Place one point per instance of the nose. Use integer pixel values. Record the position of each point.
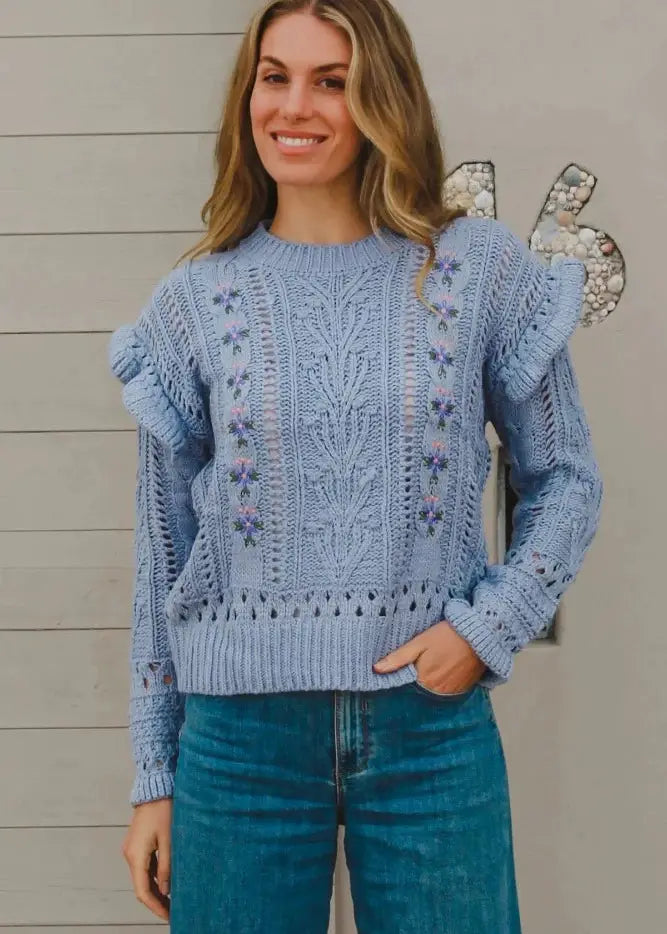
(297, 101)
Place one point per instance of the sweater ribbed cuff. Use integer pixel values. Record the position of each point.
(472, 627)
(151, 786)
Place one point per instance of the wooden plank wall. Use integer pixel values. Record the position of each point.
(107, 119)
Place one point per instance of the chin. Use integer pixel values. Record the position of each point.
(298, 176)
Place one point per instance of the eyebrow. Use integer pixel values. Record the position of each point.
(330, 67)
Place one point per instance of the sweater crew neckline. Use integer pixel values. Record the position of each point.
(320, 258)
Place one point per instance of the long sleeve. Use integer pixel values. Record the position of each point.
(165, 528)
(533, 401)
(153, 359)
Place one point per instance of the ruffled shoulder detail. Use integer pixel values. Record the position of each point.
(144, 394)
(522, 364)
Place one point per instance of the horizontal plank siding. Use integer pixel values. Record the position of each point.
(169, 84)
(129, 17)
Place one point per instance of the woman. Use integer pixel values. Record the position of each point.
(316, 629)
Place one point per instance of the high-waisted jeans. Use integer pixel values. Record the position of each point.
(417, 778)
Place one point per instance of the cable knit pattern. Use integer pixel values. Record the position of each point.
(312, 458)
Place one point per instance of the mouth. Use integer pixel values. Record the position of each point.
(291, 144)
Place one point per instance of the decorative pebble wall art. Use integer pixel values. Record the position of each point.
(556, 233)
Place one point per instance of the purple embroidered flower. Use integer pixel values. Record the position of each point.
(225, 296)
(240, 375)
(242, 474)
(447, 264)
(431, 513)
(240, 424)
(447, 310)
(441, 353)
(442, 405)
(234, 334)
(436, 461)
(248, 523)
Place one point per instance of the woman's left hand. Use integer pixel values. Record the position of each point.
(450, 663)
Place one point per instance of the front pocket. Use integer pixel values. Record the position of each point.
(439, 694)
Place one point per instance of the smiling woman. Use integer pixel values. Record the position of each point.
(302, 127)
(343, 73)
(312, 388)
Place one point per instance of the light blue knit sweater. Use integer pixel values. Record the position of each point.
(312, 456)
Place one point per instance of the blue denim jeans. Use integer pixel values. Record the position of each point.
(417, 778)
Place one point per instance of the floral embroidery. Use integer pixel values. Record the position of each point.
(239, 376)
(243, 474)
(442, 354)
(248, 522)
(447, 264)
(235, 348)
(436, 460)
(442, 405)
(240, 425)
(226, 297)
(234, 334)
(431, 513)
(448, 277)
(447, 308)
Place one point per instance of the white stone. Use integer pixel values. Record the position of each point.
(615, 284)
(587, 236)
(484, 200)
(459, 181)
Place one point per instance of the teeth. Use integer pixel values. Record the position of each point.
(294, 141)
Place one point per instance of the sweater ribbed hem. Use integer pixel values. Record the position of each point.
(237, 658)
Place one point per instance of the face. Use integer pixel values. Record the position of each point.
(301, 125)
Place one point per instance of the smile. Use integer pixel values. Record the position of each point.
(298, 142)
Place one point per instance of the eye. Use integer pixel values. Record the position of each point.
(338, 83)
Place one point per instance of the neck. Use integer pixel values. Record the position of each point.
(325, 214)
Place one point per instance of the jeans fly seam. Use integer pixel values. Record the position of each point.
(339, 789)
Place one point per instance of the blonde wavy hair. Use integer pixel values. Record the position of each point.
(401, 163)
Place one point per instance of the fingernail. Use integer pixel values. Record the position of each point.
(382, 665)
(164, 888)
